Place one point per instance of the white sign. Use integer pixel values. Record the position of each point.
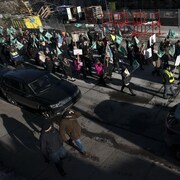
(152, 39)
(148, 53)
(79, 11)
(69, 13)
(77, 51)
(177, 63)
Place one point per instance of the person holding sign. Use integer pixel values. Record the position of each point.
(126, 78)
(79, 67)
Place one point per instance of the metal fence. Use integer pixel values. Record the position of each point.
(169, 17)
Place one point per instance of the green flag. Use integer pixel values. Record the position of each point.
(58, 51)
(19, 45)
(122, 50)
(2, 40)
(48, 35)
(172, 50)
(93, 46)
(8, 31)
(12, 30)
(78, 25)
(12, 39)
(135, 65)
(160, 53)
(172, 34)
(119, 39)
(42, 38)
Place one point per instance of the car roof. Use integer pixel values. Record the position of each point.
(25, 74)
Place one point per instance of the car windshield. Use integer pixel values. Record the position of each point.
(43, 83)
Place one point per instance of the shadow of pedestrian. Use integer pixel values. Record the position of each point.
(20, 147)
(33, 119)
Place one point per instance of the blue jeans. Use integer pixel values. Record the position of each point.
(79, 145)
(167, 88)
(58, 156)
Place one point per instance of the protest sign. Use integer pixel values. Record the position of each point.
(77, 51)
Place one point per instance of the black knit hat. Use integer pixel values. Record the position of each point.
(46, 125)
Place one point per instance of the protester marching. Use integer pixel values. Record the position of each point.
(95, 52)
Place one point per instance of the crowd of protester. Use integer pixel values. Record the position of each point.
(101, 52)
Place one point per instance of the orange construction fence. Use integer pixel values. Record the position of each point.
(141, 23)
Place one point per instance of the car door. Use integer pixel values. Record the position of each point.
(19, 93)
(28, 98)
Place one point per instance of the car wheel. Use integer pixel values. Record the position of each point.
(10, 99)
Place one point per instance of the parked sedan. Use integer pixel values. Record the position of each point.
(172, 129)
(39, 90)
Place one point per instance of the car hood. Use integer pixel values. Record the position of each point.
(59, 92)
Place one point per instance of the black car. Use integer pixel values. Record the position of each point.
(38, 89)
(172, 129)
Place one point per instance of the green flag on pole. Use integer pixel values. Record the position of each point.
(12, 30)
(119, 39)
(172, 50)
(93, 46)
(172, 34)
(58, 51)
(122, 50)
(135, 65)
(78, 25)
(42, 38)
(48, 35)
(19, 45)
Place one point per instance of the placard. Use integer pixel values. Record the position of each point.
(79, 11)
(177, 62)
(148, 53)
(77, 51)
(69, 13)
(152, 39)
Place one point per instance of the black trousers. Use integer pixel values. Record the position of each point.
(127, 86)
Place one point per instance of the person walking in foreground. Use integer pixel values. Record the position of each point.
(168, 81)
(69, 126)
(126, 78)
(51, 145)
